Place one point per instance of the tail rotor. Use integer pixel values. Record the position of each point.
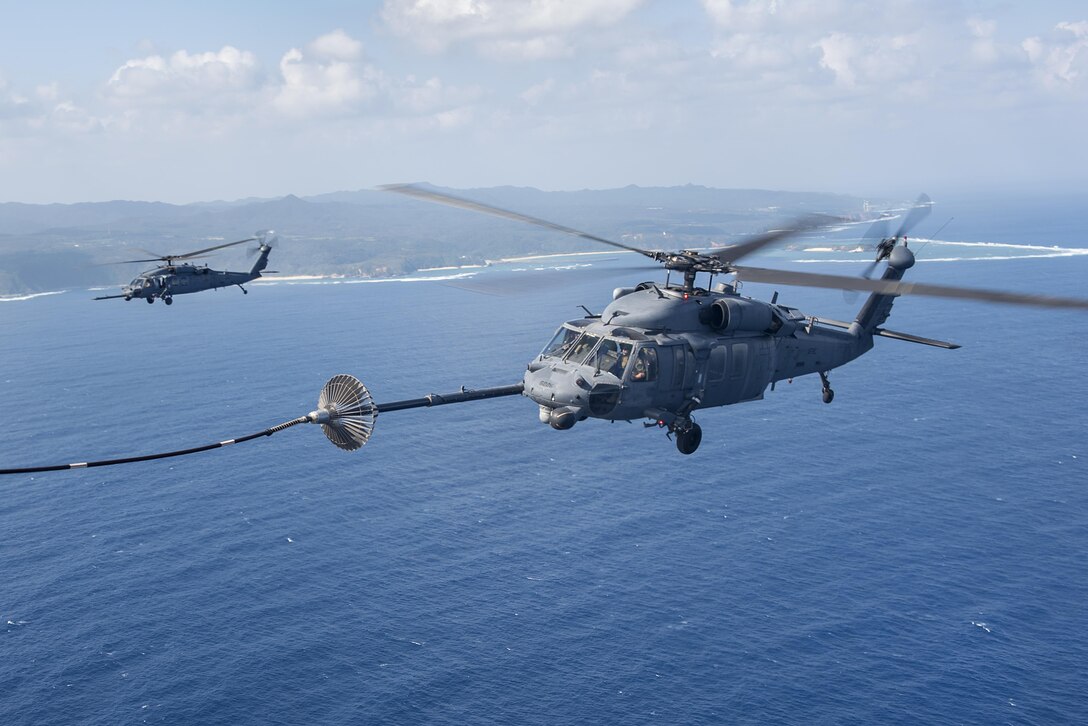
(878, 231)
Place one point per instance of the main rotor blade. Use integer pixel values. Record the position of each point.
(411, 190)
(189, 255)
(731, 254)
(921, 209)
(892, 287)
(186, 256)
(877, 231)
(535, 281)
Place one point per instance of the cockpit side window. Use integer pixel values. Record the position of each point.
(612, 357)
(645, 366)
(561, 343)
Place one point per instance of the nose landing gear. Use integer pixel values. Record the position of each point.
(829, 395)
(688, 439)
(688, 433)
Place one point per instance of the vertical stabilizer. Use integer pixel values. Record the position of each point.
(262, 261)
(878, 306)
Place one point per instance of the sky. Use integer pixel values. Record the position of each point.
(201, 101)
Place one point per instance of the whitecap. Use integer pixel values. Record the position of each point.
(29, 296)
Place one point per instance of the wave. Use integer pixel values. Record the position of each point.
(1039, 252)
(981, 258)
(339, 280)
(30, 296)
(1011, 245)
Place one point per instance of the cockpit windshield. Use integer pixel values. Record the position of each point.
(581, 349)
(561, 343)
(604, 354)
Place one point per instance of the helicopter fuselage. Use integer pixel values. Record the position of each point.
(662, 352)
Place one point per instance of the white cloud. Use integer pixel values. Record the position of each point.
(871, 60)
(509, 30)
(544, 47)
(185, 78)
(753, 52)
(749, 15)
(984, 47)
(329, 78)
(337, 45)
(431, 96)
(839, 53)
(1061, 60)
(535, 94)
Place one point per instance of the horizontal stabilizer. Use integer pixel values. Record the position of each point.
(883, 332)
(915, 339)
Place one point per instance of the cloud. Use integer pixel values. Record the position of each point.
(544, 47)
(505, 30)
(870, 61)
(538, 92)
(330, 77)
(185, 78)
(23, 114)
(1060, 60)
(751, 15)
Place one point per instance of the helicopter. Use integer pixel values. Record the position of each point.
(661, 352)
(171, 278)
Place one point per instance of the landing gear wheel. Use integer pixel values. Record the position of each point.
(168, 300)
(150, 300)
(829, 395)
(688, 441)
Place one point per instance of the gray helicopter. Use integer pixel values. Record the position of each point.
(663, 352)
(172, 278)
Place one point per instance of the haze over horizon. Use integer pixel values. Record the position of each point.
(126, 100)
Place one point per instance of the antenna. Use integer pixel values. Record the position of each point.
(939, 230)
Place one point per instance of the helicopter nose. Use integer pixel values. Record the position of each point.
(568, 395)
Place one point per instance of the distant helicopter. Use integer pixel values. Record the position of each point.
(659, 353)
(178, 279)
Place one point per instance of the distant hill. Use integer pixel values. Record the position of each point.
(368, 233)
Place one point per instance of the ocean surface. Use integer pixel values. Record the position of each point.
(912, 553)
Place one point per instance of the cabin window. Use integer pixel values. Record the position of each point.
(645, 366)
(678, 359)
(716, 368)
(740, 361)
(561, 343)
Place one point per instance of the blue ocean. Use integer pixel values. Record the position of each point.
(912, 553)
